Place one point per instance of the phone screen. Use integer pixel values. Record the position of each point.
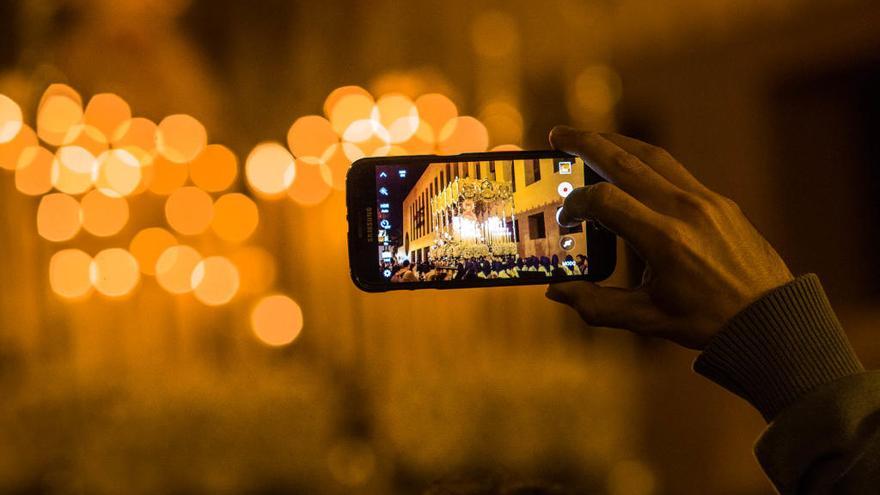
(478, 220)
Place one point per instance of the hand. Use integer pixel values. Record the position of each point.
(705, 261)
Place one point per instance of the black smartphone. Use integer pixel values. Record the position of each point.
(470, 220)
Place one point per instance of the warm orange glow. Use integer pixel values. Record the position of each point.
(73, 169)
(436, 110)
(109, 114)
(215, 281)
(10, 151)
(397, 118)
(189, 210)
(57, 119)
(277, 320)
(506, 147)
(88, 137)
(118, 173)
(114, 272)
(311, 136)
(10, 119)
(463, 135)
(33, 174)
(422, 142)
(595, 90)
(339, 93)
(69, 273)
(139, 132)
(503, 119)
(373, 145)
(256, 269)
(58, 217)
(174, 268)
(312, 183)
(270, 170)
(235, 217)
(148, 244)
(338, 163)
(60, 89)
(103, 215)
(165, 176)
(180, 138)
(350, 116)
(494, 34)
(214, 169)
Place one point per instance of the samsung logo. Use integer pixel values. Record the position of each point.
(369, 223)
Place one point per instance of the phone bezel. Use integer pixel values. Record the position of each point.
(360, 199)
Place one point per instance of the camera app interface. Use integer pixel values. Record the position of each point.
(478, 221)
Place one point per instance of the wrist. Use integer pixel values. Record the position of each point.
(779, 347)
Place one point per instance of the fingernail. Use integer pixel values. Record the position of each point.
(561, 131)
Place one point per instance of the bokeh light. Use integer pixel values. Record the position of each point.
(58, 217)
(310, 137)
(235, 217)
(139, 132)
(312, 183)
(103, 215)
(256, 269)
(88, 137)
(506, 147)
(114, 272)
(189, 210)
(109, 114)
(73, 169)
(174, 268)
(270, 170)
(276, 320)
(338, 93)
(503, 120)
(396, 118)
(215, 169)
(10, 151)
(165, 176)
(33, 174)
(350, 115)
(215, 281)
(463, 135)
(596, 89)
(148, 244)
(59, 112)
(69, 273)
(10, 119)
(180, 138)
(436, 110)
(117, 173)
(338, 162)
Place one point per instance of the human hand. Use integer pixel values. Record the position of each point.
(704, 260)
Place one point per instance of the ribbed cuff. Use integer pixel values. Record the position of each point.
(783, 345)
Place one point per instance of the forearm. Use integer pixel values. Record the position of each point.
(788, 356)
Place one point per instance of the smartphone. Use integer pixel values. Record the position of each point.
(470, 220)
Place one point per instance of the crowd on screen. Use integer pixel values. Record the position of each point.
(510, 267)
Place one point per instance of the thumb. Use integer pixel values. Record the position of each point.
(630, 309)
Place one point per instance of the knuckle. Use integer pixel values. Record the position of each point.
(656, 153)
(600, 194)
(626, 162)
(673, 235)
(695, 206)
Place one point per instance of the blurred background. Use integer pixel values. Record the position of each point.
(176, 313)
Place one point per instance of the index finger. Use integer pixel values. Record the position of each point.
(616, 165)
(659, 159)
